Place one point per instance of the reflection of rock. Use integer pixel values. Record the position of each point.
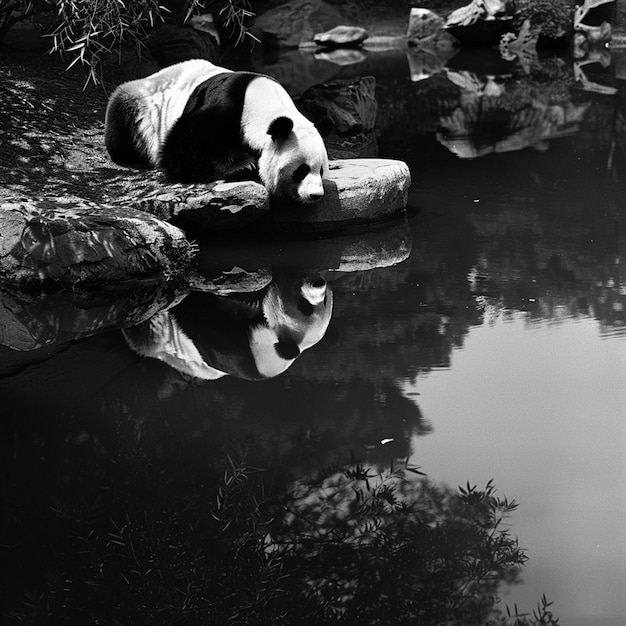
(292, 24)
(341, 56)
(74, 242)
(482, 123)
(522, 46)
(341, 37)
(297, 70)
(209, 336)
(481, 22)
(221, 262)
(480, 60)
(375, 248)
(235, 280)
(424, 63)
(213, 206)
(356, 191)
(591, 73)
(29, 321)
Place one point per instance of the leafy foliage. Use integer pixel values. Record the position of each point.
(87, 31)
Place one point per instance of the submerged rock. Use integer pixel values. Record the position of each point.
(351, 104)
(74, 242)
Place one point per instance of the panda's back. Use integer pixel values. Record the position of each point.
(206, 142)
(144, 110)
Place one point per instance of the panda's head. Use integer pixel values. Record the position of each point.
(296, 315)
(294, 161)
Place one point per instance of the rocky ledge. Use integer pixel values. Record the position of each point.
(77, 242)
(74, 242)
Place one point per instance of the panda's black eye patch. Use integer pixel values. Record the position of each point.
(305, 307)
(301, 173)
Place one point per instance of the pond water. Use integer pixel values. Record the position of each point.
(481, 338)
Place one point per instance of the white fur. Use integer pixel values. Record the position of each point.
(160, 99)
(162, 338)
(157, 101)
(266, 100)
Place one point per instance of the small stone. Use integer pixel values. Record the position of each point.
(342, 37)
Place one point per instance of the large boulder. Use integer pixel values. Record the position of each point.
(352, 106)
(481, 22)
(74, 242)
(357, 191)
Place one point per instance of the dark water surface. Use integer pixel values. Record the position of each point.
(484, 337)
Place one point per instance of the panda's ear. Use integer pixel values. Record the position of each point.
(325, 126)
(280, 128)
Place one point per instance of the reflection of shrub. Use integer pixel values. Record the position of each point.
(354, 547)
(551, 18)
(362, 547)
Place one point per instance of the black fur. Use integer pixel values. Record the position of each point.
(123, 150)
(205, 143)
(280, 128)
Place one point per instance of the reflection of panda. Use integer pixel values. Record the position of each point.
(200, 123)
(209, 336)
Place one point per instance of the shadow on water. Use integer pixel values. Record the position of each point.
(182, 488)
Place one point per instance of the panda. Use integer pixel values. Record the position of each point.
(199, 123)
(208, 336)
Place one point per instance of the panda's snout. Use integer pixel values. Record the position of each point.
(316, 196)
(314, 291)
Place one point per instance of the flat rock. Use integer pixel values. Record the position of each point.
(356, 191)
(213, 206)
(341, 37)
(74, 242)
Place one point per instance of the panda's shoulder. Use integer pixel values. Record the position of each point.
(225, 89)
